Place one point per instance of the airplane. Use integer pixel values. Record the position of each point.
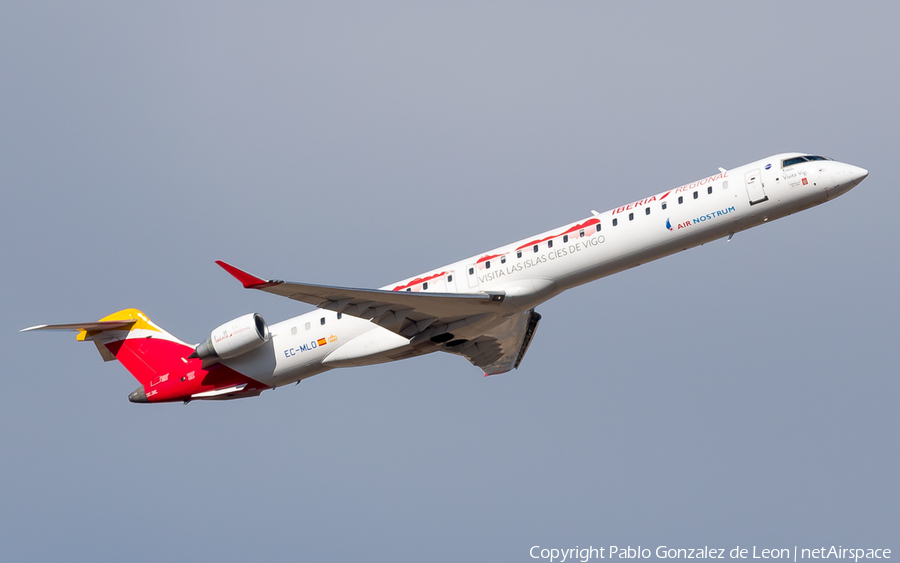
(481, 308)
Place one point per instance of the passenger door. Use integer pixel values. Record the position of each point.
(755, 188)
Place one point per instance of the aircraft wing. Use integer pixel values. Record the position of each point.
(418, 316)
(421, 316)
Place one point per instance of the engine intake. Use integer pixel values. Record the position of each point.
(234, 338)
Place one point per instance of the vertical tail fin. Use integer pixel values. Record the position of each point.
(147, 351)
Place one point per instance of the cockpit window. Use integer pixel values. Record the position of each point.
(793, 161)
(798, 159)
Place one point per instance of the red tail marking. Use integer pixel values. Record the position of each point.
(147, 358)
(162, 367)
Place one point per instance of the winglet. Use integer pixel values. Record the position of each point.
(247, 279)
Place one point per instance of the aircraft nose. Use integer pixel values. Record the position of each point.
(852, 176)
(846, 177)
(857, 174)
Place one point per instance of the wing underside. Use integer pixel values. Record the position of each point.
(502, 347)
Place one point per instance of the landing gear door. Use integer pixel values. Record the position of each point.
(755, 188)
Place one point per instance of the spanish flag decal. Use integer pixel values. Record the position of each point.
(321, 342)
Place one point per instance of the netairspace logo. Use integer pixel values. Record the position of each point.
(584, 554)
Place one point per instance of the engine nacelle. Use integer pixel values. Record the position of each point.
(234, 338)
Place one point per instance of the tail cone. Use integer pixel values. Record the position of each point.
(138, 395)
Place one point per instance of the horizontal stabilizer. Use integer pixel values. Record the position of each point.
(111, 331)
(94, 326)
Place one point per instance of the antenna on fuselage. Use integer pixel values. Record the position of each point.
(722, 170)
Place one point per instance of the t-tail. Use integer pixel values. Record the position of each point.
(167, 368)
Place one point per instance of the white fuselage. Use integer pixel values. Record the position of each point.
(531, 271)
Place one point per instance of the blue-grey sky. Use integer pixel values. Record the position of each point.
(735, 394)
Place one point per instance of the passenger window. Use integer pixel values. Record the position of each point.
(503, 259)
(293, 330)
(664, 205)
(631, 216)
(321, 322)
(647, 211)
(680, 199)
(425, 285)
(450, 278)
(487, 265)
(615, 221)
(471, 271)
(549, 244)
(581, 233)
(519, 254)
(709, 190)
(535, 248)
(696, 195)
(340, 315)
(408, 289)
(565, 238)
(307, 326)
(598, 227)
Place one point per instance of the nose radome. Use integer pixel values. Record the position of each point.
(846, 178)
(858, 174)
